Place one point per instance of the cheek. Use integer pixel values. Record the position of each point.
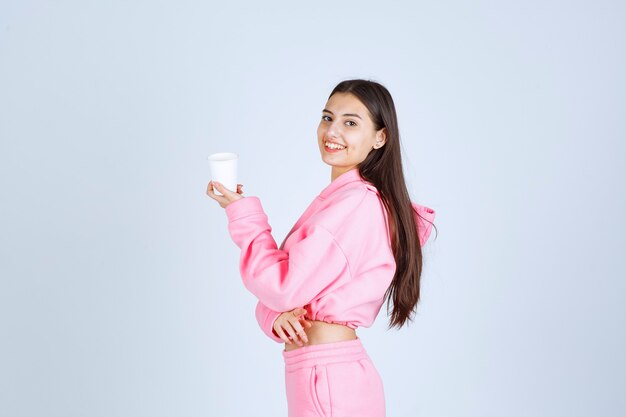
(361, 148)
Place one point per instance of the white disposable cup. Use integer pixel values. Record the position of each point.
(223, 166)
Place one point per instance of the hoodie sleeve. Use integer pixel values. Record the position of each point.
(266, 318)
(424, 223)
(284, 280)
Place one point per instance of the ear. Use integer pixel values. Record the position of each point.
(381, 136)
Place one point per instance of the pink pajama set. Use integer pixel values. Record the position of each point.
(337, 263)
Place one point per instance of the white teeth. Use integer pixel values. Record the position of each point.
(334, 146)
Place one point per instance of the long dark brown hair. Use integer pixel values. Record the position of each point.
(383, 168)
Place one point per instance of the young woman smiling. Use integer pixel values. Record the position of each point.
(358, 243)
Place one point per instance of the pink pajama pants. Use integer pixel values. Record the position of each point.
(335, 379)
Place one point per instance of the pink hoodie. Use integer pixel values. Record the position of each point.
(336, 261)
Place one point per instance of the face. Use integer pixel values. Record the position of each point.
(346, 121)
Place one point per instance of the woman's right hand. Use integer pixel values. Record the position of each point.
(227, 196)
(288, 326)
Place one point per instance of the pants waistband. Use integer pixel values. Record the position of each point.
(324, 353)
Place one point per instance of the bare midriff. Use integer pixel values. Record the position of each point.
(324, 332)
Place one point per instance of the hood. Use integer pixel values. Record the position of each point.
(424, 221)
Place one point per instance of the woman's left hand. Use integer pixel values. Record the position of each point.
(228, 195)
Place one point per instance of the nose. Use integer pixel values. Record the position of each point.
(332, 131)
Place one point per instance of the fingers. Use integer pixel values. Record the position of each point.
(289, 328)
(298, 311)
(306, 324)
(292, 335)
(210, 191)
(295, 322)
(299, 330)
(281, 334)
(295, 334)
(285, 331)
(227, 196)
(221, 188)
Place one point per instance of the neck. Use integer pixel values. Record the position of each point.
(335, 172)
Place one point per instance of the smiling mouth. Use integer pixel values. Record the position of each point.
(333, 146)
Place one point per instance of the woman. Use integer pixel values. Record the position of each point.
(357, 243)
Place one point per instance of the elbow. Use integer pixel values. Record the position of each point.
(277, 295)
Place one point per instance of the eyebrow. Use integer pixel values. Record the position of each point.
(345, 114)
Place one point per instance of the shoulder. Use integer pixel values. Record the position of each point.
(356, 205)
(350, 194)
(340, 207)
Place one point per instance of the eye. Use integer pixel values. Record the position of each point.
(350, 121)
(325, 116)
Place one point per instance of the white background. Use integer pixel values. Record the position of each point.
(120, 292)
